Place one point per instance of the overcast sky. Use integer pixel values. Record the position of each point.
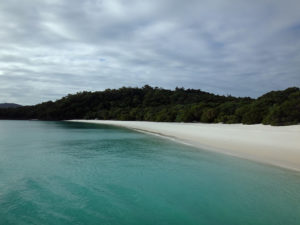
(49, 48)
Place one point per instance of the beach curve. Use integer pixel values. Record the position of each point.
(278, 146)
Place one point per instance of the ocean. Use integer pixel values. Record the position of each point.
(57, 173)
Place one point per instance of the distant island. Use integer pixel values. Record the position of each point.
(158, 104)
(9, 105)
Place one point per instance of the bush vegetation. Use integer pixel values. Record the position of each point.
(157, 104)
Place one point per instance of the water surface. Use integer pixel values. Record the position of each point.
(73, 173)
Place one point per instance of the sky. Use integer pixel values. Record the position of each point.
(50, 48)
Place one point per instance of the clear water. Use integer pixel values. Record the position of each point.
(71, 173)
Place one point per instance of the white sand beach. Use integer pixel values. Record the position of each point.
(279, 146)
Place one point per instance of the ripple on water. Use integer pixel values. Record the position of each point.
(66, 173)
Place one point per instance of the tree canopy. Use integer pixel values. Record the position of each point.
(158, 104)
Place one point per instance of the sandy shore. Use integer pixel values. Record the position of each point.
(278, 146)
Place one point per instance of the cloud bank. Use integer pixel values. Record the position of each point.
(54, 47)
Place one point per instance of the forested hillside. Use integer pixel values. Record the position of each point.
(157, 104)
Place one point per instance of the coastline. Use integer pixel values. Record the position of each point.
(277, 146)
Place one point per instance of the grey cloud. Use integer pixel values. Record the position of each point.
(52, 48)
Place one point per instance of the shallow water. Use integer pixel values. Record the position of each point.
(73, 173)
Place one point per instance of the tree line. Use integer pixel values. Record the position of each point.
(158, 104)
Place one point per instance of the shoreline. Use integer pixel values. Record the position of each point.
(277, 146)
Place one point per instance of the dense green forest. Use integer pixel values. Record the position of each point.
(157, 104)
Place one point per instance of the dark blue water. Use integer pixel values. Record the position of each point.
(72, 173)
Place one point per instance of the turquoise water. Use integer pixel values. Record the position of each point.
(71, 173)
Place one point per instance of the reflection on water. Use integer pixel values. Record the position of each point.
(73, 173)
